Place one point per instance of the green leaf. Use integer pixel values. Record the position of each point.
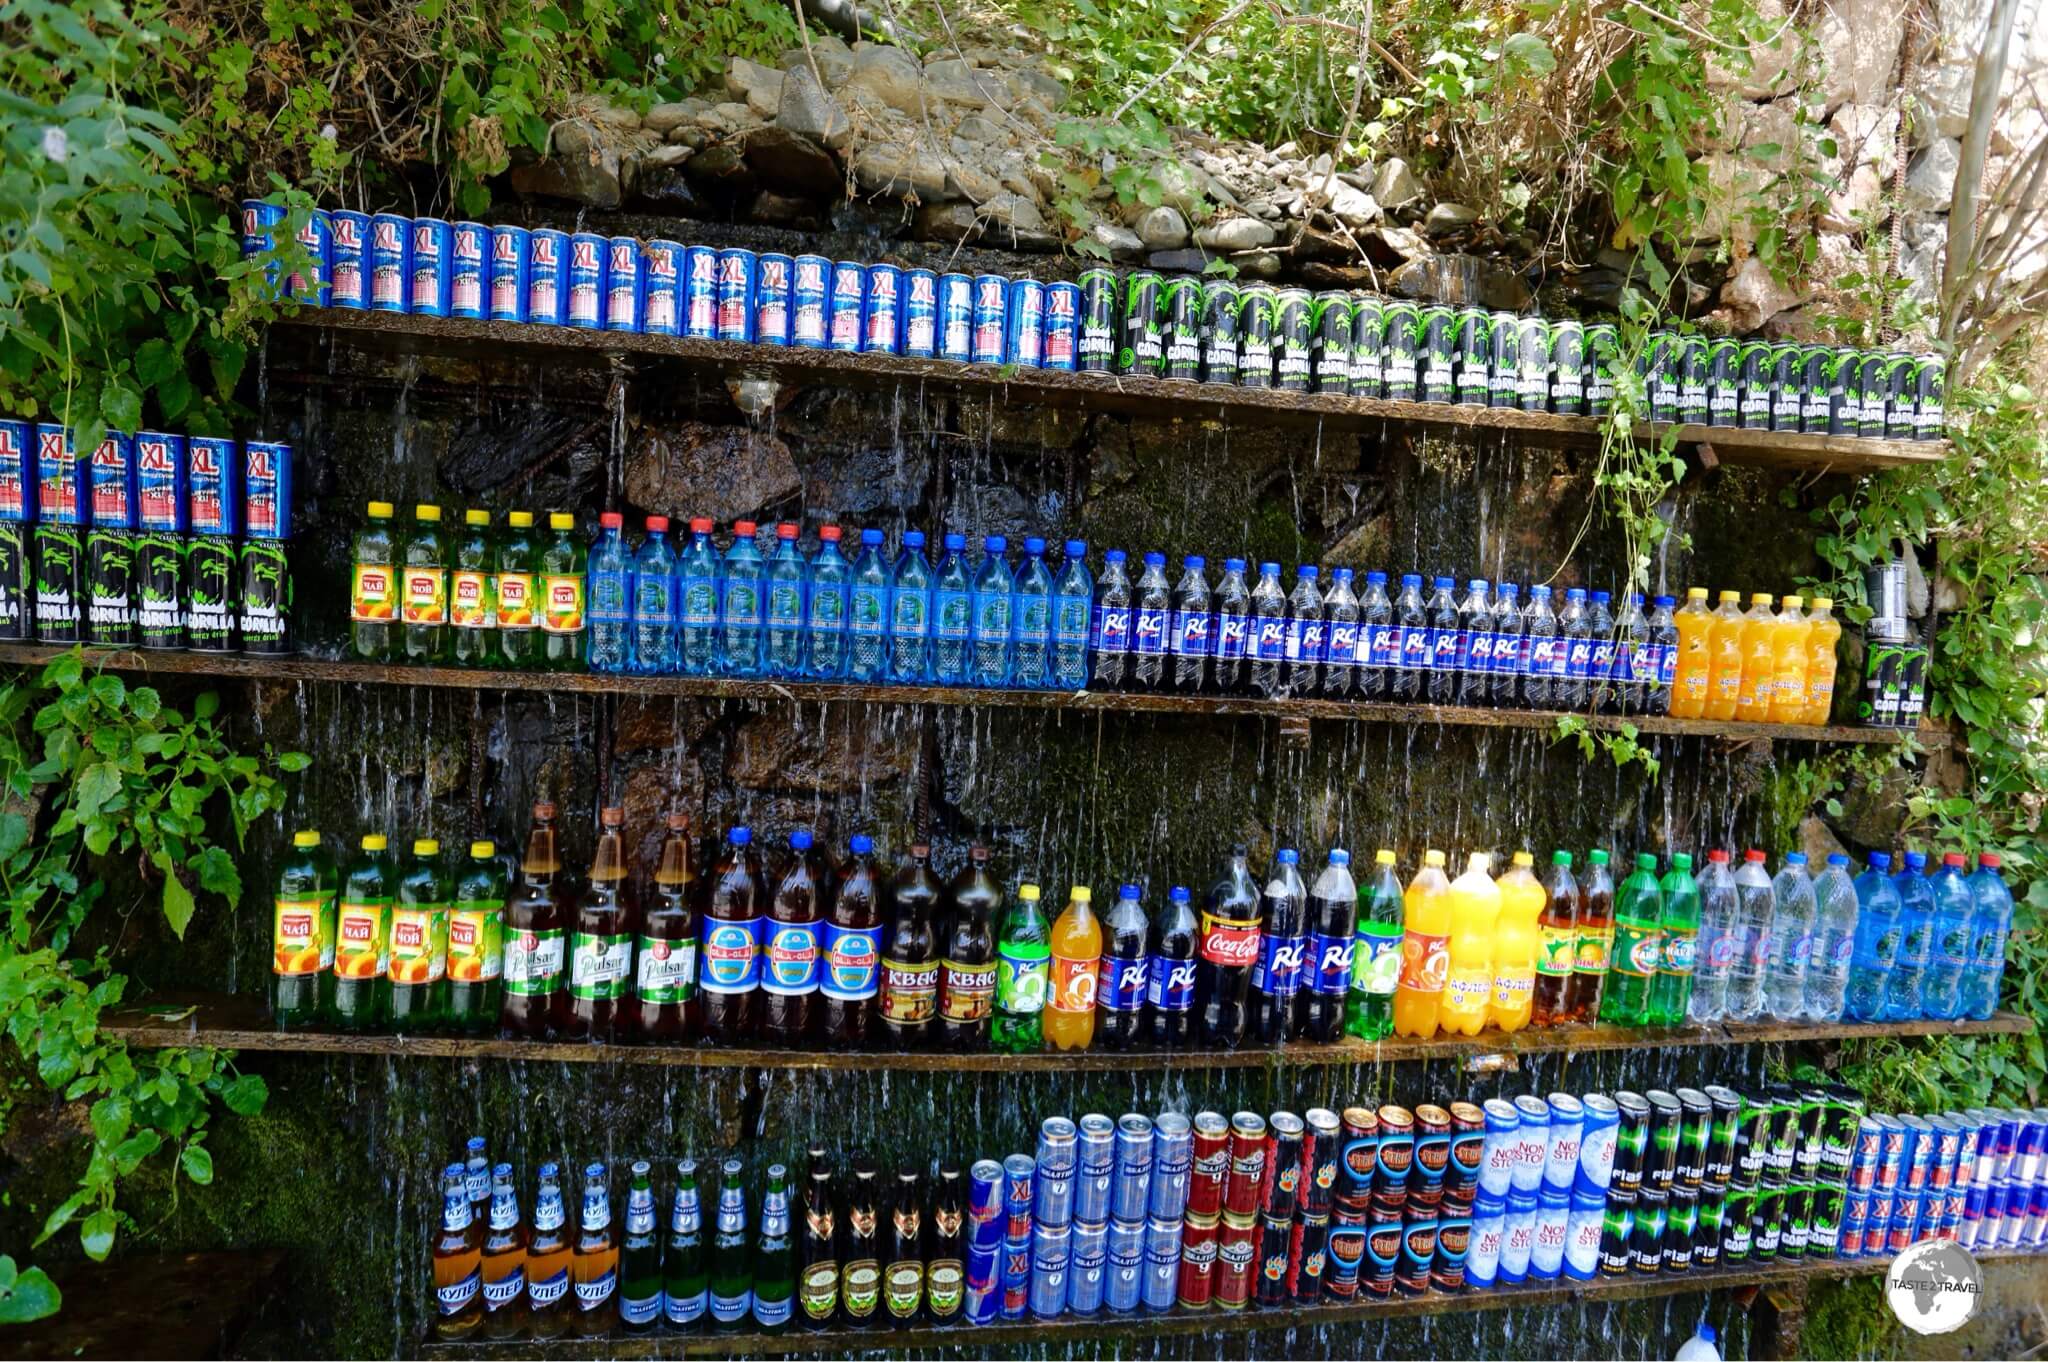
(1529, 54)
(28, 1295)
(100, 783)
(155, 361)
(178, 905)
(245, 1095)
(294, 761)
(122, 406)
(97, 1234)
(197, 1163)
(61, 1217)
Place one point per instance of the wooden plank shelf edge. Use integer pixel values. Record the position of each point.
(239, 1023)
(299, 668)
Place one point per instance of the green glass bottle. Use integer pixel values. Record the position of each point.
(419, 942)
(562, 562)
(515, 577)
(685, 1277)
(362, 945)
(302, 936)
(423, 573)
(472, 597)
(1671, 994)
(732, 1268)
(1638, 946)
(373, 589)
(1375, 953)
(1023, 967)
(640, 1258)
(476, 942)
(775, 1257)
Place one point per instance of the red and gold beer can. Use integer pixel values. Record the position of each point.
(1199, 1244)
(1241, 1183)
(1237, 1259)
(1211, 1161)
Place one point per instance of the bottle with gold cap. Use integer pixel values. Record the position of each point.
(1515, 945)
(1692, 680)
(1375, 952)
(373, 588)
(423, 590)
(419, 942)
(1788, 663)
(1826, 632)
(472, 602)
(302, 936)
(1425, 950)
(476, 941)
(1759, 660)
(363, 938)
(515, 578)
(1724, 654)
(563, 560)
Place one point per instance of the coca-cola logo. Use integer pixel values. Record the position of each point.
(1230, 945)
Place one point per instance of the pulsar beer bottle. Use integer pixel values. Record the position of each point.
(536, 942)
(601, 947)
(664, 1008)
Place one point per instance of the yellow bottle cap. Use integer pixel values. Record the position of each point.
(1383, 857)
(380, 510)
(1435, 858)
(375, 841)
(426, 512)
(1079, 894)
(1028, 892)
(1524, 858)
(1695, 593)
(1823, 603)
(1760, 598)
(520, 520)
(1728, 596)
(1794, 602)
(473, 516)
(305, 839)
(561, 520)
(426, 846)
(482, 851)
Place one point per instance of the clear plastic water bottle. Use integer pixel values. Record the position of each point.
(952, 615)
(1753, 912)
(1152, 608)
(1073, 610)
(910, 614)
(1539, 682)
(1110, 624)
(826, 610)
(1600, 670)
(1663, 656)
(1379, 646)
(1989, 925)
(1877, 940)
(610, 594)
(653, 630)
(1834, 940)
(1574, 624)
(784, 614)
(995, 610)
(1510, 647)
(1033, 669)
(1411, 632)
(1441, 680)
(1902, 999)
(1340, 641)
(740, 581)
(1475, 645)
(1233, 601)
(1719, 940)
(1634, 663)
(1948, 952)
(1791, 948)
(1191, 633)
(1303, 664)
(867, 613)
(698, 597)
(1269, 631)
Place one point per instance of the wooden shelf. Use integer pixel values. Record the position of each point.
(241, 1022)
(1068, 1329)
(1100, 702)
(1159, 399)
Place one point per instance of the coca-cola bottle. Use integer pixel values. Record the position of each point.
(734, 901)
(852, 943)
(1229, 949)
(790, 964)
(1283, 946)
(910, 968)
(967, 956)
(1170, 973)
(1120, 987)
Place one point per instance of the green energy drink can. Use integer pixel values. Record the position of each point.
(1222, 305)
(1679, 1227)
(1738, 1227)
(1436, 352)
(1143, 348)
(1838, 1130)
(1788, 388)
(1368, 343)
(1330, 343)
(1824, 1220)
(1813, 1120)
(1568, 368)
(1255, 331)
(1603, 357)
(1666, 1115)
(1097, 344)
(1504, 365)
(1532, 364)
(1180, 317)
(266, 597)
(1402, 358)
(1769, 1232)
(1724, 381)
(1798, 1220)
(1646, 1235)
(1912, 684)
(1882, 698)
(1659, 367)
(1784, 1129)
(1617, 1227)
(1929, 396)
(1293, 331)
(1692, 380)
(1706, 1239)
(1631, 1141)
(1870, 393)
(1696, 1115)
(1752, 1140)
(1901, 413)
(17, 509)
(1753, 365)
(17, 582)
(1722, 1135)
(1472, 356)
(212, 579)
(1818, 373)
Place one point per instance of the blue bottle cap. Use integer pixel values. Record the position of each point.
(1376, 578)
(1306, 572)
(1539, 592)
(1662, 601)
(1601, 598)
(861, 844)
(1837, 858)
(1269, 569)
(913, 539)
(594, 1170)
(1288, 856)
(1635, 598)
(1509, 590)
(1411, 579)
(1796, 858)
(1155, 560)
(502, 1170)
(1575, 593)
(1339, 856)
(1194, 562)
(995, 543)
(956, 541)
(1113, 556)
(1340, 574)
(1127, 891)
(550, 1170)
(739, 837)
(1034, 545)
(1916, 860)
(1880, 860)
(1077, 548)
(1179, 893)
(1443, 584)
(1233, 565)
(800, 840)
(870, 536)
(1476, 584)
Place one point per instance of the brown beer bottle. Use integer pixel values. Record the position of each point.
(790, 949)
(601, 947)
(852, 943)
(731, 971)
(1558, 948)
(664, 1007)
(458, 1261)
(967, 956)
(1596, 939)
(910, 967)
(903, 1270)
(536, 938)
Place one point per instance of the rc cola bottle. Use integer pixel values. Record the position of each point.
(1269, 632)
(1073, 609)
(1546, 661)
(784, 607)
(654, 602)
(1573, 627)
(1510, 647)
(825, 641)
(1233, 631)
(1304, 644)
(1877, 940)
(1754, 906)
(1283, 945)
(1989, 925)
(1719, 940)
(1791, 947)
(995, 605)
(1332, 925)
(1902, 998)
(1152, 606)
(1600, 682)
(1190, 631)
(867, 613)
(1663, 674)
(697, 602)
(1475, 645)
(910, 615)
(1111, 624)
(1125, 973)
(1834, 941)
(1442, 675)
(1948, 950)
(1634, 660)
(1033, 668)
(1170, 972)
(1340, 647)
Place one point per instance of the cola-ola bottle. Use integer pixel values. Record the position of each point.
(1228, 950)
(732, 940)
(789, 952)
(852, 945)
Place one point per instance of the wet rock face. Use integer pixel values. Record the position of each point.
(725, 472)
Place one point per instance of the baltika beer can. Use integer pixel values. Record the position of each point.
(736, 276)
(1088, 1266)
(774, 278)
(1024, 324)
(1211, 1162)
(433, 268)
(1293, 334)
(1180, 329)
(956, 318)
(700, 292)
(1097, 330)
(547, 278)
(1222, 306)
(1062, 326)
(662, 313)
(920, 314)
(809, 292)
(1051, 1253)
(1172, 1162)
(1126, 1272)
(882, 312)
(1368, 345)
(1246, 1171)
(1143, 344)
(1095, 1164)
(845, 311)
(470, 253)
(1198, 1251)
(348, 239)
(990, 318)
(506, 276)
(390, 262)
(1330, 343)
(1237, 1258)
(625, 285)
(589, 253)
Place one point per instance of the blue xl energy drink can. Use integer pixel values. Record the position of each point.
(59, 548)
(471, 255)
(1024, 324)
(433, 269)
(625, 287)
(316, 235)
(259, 234)
(348, 237)
(882, 331)
(661, 313)
(508, 277)
(214, 506)
(736, 270)
(587, 258)
(956, 317)
(811, 286)
(700, 293)
(390, 262)
(547, 280)
(160, 518)
(109, 546)
(843, 308)
(17, 509)
(1062, 326)
(920, 313)
(773, 277)
(991, 308)
(264, 600)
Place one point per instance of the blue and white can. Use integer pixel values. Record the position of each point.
(1489, 1232)
(1973, 1213)
(882, 333)
(390, 262)
(1126, 1265)
(662, 312)
(991, 313)
(1052, 1197)
(316, 235)
(1518, 1240)
(844, 314)
(589, 254)
(1096, 1166)
(508, 278)
(348, 239)
(984, 1290)
(1502, 1147)
(920, 314)
(1019, 1177)
(1162, 1263)
(433, 267)
(1173, 1159)
(547, 277)
(469, 258)
(700, 293)
(1582, 1235)
(1058, 1150)
(625, 285)
(773, 278)
(1131, 1191)
(1062, 327)
(736, 277)
(1088, 1266)
(1532, 1145)
(956, 317)
(1553, 1220)
(1561, 1156)
(1051, 1256)
(1016, 1279)
(259, 226)
(809, 293)
(1597, 1135)
(1024, 324)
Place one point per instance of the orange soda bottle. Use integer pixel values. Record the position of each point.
(1724, 657)
(1759, 663)
(1788, 654)
(1689, 686)
(1425, 949)
(1514, 945)
(1076, 961)
(1820, 660)
(1475, 912)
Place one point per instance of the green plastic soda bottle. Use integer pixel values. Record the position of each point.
(562, 562)
(516, 576)
(1375, 953)
(1638, 946)
(362, 948)
(302, 936)
(1671, 995)
(373, 588)
(419, 942)
(423, 576)
(476, 942)
(472, 597)
(1023, 970)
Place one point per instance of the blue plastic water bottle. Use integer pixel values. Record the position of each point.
(995, 608)
(910, 614)
(1073, 604)
(825, 634)
(697, 602)
(1877, 940)
(1033, 667)
(1948, 951)
(868, 613)
(784, 614)
(740, 590)
(1988, 928)
(1916, 933)
(653, 633)
(611, 586)
(952, 615)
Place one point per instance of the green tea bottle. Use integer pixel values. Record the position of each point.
(419, 942)
(424, 637)
(362, 948)
(472, 599)
(476, 942)
(562, 563)
(373, 593)
(302, 936)
(517, 580)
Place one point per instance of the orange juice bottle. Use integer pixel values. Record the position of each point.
(1076, 961)
(1514, 945)
(1724, 655)
(1689, 686)
(1788, 654)
(1820, 660)
(1759, 663)
(1475, 911)
(1425, 949)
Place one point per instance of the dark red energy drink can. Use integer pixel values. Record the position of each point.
(1321, 1155)
(1280, 1185)
(1247, 1171)
(1308, 1257)
(1276, 1243)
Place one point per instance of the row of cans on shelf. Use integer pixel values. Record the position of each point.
(1978, 1176)
(198, 484)
(1139, 323)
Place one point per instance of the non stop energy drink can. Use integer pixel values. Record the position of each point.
(506, 279)
(390, 263)
(625, 285)
(469, 255)
(737, 273)
(882, 311)
(991, 318)
(956, 317)
(1024, 324)
(1062, 326)
(1180, 321)
(433, 268)
(662, 313)
(348, 240)
(920, 314)
(774, 281)
(1097, 329)
(585, 274)
(845, 307)
(547, 292)
(812, 287)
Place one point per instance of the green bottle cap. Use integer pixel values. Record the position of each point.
(1645, 861)
(1681, 861)
(1563, 858)
(1597, 857)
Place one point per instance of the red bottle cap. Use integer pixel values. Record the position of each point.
(611, 520)
(829, 533)
(1753, 855)
(1954, 858)
(785, 530)
(1990, 858)
(659, 524)
(1718, 857)
(700, 524)
(743, 528)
